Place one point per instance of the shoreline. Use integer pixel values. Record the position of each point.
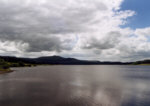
(144, 64)
(3, 71)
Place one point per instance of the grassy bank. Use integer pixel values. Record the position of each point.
(140, 63)
(5, 65)
(2, 71)
(145, 64)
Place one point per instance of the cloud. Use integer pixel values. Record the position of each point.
(108, 41)
(86, 29)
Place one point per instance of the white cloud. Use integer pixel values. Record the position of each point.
(86, 29)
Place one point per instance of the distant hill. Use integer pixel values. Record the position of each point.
(142, 62)
(57, 60)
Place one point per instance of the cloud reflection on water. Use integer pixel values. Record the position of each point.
(76, 86)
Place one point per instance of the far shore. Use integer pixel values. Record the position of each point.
(145, 64)
(3, 71)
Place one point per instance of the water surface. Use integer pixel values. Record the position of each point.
(76, 85)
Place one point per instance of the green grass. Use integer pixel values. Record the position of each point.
(5, 65)
(2, 71)
(144, 64)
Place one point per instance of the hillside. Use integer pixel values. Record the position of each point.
(142, 62)
(56, 60)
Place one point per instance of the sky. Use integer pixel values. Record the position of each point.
(142, 17)
(105, 30)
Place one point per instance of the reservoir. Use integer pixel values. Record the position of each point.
(76, 85)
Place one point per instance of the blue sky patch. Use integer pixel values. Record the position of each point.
(142, 9)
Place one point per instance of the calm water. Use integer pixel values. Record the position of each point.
(76, 86)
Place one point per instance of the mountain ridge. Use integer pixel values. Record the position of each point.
(58, 60)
